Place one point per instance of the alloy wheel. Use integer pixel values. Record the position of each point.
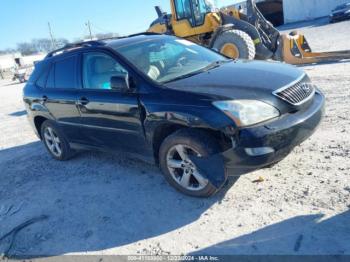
(53, 142)
(183, 170)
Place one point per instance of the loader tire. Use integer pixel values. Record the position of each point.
(235, 44)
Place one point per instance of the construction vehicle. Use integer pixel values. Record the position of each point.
(237, 35)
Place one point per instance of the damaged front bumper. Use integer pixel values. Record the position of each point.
(261, 146)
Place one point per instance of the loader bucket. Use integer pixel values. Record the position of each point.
(296, 51)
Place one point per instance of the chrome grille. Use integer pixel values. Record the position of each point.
(296, 94)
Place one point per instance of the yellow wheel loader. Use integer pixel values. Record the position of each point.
(237, 35)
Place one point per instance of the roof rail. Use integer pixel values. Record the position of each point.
(93, 43)
(121, 37)
(73, 46)
(144, 33)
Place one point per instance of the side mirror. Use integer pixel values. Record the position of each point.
(120, 83)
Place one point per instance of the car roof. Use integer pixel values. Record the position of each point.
(111, 42)
(121, 42)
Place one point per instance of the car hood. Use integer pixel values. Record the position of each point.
(240, 79)
(341, 11)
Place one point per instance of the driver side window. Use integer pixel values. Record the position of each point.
(98, 68)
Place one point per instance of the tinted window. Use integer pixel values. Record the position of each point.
(65, 73)
(98, 68)
(51, 78)
(41, 82)
(165, 59)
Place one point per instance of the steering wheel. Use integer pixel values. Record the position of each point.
(181, 62)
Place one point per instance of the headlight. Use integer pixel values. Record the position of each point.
(347, 12)
(247, 112)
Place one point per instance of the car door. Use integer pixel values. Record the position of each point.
(109, 118)
(60, 94)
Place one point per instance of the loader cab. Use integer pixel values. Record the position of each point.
(193, 17)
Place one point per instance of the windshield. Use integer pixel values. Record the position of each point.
(168, 58)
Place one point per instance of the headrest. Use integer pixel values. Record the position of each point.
(103, 65)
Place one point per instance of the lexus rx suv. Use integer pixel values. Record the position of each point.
(340, 13)
(197, 114)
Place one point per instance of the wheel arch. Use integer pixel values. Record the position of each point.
(38, 121)
(164, 130)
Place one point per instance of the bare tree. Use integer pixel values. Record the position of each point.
(43, 45)
(97, 36)
(61, 42)
(106, 35)
(7, 51)
(26, 48)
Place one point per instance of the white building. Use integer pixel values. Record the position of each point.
(289, 11)
(9, 61)
(301, 10)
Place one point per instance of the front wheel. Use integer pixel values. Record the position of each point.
(177, 167)
(235, 44)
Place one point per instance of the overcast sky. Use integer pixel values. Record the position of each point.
(23, 20)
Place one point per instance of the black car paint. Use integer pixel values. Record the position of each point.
(253, 79)
(283, 135)
(340, 13)
(130, 121)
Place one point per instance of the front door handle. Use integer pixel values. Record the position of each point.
(83, 101)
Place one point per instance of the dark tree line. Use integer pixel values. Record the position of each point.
(40, 45)
(45, 45)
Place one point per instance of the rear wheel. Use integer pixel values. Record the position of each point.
(177, 167)
(55, 142)
(235, 44)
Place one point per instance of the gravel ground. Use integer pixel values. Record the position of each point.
(108, 204)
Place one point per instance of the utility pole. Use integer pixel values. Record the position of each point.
(51, 35)
(89, 27)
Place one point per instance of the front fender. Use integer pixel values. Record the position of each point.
(186, 116)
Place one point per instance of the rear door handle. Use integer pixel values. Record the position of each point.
(83, 101)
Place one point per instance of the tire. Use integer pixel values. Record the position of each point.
(65, 151)
(203, 144)
(241, 40)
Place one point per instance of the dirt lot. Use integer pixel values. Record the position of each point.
(108, 204)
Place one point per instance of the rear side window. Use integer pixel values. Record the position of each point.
(41, 82)
(51, 78)
(63, 74)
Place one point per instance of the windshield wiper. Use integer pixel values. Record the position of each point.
(214, 65)
(211, 66)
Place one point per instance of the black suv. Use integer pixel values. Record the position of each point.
(197, 114)
(340, 13)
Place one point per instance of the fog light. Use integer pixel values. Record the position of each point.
(259, 151)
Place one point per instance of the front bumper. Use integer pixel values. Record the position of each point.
(339, 18)
(281, 135)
